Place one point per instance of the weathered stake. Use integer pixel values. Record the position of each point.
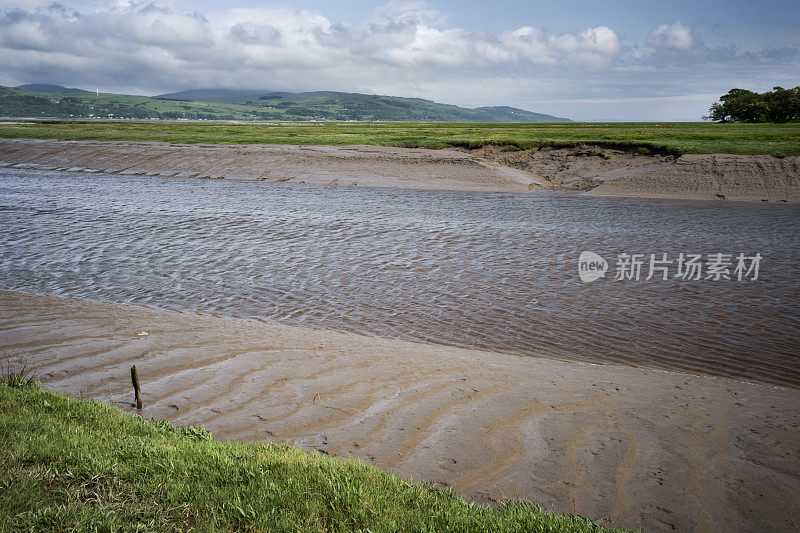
(136, 390)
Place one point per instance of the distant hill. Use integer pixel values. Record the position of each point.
(49, 88)
(55, 101)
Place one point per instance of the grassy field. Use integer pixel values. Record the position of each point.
(776, 139)
(74, 465)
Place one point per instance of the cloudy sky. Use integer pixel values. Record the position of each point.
(583, 59)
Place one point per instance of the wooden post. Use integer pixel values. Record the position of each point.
(137, 392)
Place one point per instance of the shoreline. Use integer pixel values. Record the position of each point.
(587, 170)
(624, 446)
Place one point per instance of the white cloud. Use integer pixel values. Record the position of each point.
(401, 35)
(676, 36)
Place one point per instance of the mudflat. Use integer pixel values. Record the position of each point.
(583, 169)
(626, 446)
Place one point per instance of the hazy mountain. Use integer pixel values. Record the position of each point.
(231, 96)
(49, 88)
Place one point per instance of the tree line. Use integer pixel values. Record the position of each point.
(741, 105)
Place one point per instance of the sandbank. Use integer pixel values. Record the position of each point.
(625, 446)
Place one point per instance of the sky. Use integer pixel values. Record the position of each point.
(585, 60)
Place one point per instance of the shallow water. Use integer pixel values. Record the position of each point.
(491, 271)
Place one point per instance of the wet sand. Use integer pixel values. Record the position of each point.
(620, 445)
(587, 170)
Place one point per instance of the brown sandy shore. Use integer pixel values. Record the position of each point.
(624, 446)
(587, 170)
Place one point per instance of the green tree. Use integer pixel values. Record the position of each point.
(784, 104)
(741, 105)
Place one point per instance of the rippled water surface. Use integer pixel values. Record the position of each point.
(492, 271)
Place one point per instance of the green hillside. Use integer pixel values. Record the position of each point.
(73, 465)
(53, 101)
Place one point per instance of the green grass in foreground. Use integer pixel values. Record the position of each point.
(72, 465)
(679, 138)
